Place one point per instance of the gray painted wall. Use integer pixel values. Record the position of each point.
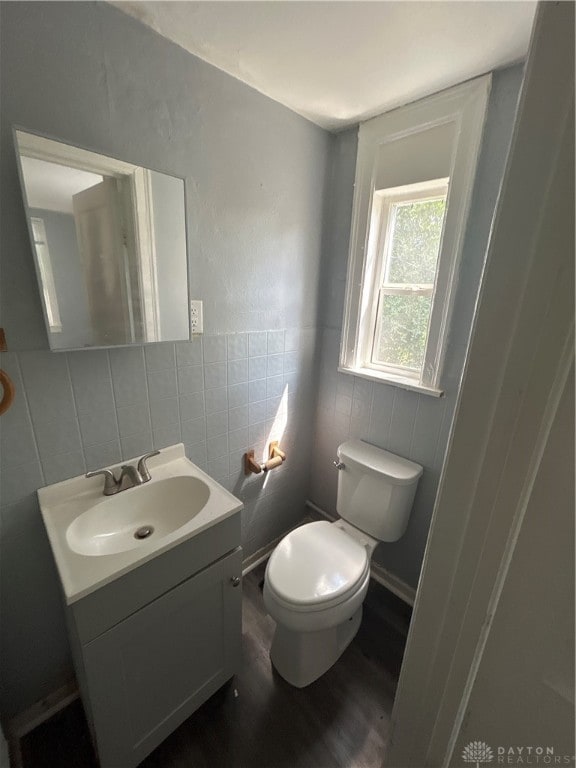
(255, 177)
(407, 423)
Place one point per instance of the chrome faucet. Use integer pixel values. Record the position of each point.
(130, 476)
(110, 482)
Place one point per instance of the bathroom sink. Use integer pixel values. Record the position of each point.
(96, 539)
(132, 518)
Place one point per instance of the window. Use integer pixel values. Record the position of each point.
(409, 235)
(414, 175)
(46, 275)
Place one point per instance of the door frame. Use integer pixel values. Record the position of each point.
(521, 351)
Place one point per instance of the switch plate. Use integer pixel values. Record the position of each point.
(196, 316)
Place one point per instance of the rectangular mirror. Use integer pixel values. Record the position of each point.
(109, 243)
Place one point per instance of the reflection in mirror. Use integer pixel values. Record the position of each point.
(109, 241)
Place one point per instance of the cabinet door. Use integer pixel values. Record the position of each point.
(149, 673)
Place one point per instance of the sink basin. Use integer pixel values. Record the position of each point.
(96, 539)
(136, 517)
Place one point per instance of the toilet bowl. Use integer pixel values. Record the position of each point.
(316, 581)
(318, 575)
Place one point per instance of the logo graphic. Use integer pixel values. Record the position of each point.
(477, 752)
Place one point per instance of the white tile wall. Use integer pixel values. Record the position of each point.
(257, 368)
(407, 423)
(237, 346)
(128, 375)
(163, 383)
(237, 395)
(238, 371)
(158, 357)
(257, 390)
(83, 410)
(257, 344)
(216, 399)
(214, 348)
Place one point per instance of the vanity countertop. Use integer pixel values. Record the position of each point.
(63, 503)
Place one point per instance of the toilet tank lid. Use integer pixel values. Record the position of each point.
(398, 470)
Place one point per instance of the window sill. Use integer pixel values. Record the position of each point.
(395, 381)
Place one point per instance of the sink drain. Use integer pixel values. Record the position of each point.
(144, 532)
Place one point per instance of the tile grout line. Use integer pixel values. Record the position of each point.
(386, 435)
(29, 414)
(176, 397)
(109, 364)
(437, 447)
(145, 367)
(414, 426)
(75, 405)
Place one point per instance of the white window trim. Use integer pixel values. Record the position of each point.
(464, 105)
(381, 236)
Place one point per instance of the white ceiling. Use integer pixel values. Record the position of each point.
(337, 63)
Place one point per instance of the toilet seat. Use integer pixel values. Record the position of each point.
(321, 605)
(316, 567)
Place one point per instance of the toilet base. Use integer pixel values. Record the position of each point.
(302, 657)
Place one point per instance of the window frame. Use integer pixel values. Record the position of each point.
(465, 106)
(383, 201)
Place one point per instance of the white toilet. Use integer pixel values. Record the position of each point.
(317, 577)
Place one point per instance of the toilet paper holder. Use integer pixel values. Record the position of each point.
(275, 458)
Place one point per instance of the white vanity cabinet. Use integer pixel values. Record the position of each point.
(152, 646)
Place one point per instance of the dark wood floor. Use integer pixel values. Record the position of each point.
(258, 720)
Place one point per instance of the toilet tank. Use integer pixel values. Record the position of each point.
(376, 489)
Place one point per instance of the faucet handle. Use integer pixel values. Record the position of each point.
(142, 468)
(110, 483)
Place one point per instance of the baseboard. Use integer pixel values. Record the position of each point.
(262, 554)
(16, 728)
(258, 557)
(398, 587)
